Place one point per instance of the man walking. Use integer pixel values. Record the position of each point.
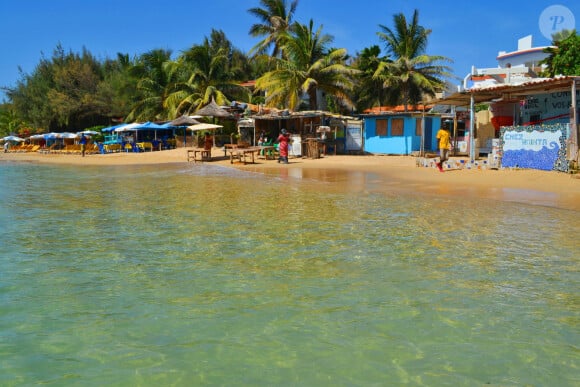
(443, 136)
(83, 142)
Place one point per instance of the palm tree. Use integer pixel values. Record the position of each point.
(369, 90)
(213, 70)
(308, 69)
(564, 54)
(154, 85)
(276, 20)
(412, 72)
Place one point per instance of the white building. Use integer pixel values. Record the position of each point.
(513, 67)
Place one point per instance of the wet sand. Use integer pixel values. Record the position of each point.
(554, 189)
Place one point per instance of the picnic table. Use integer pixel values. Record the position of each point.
(204, 155)
(242, 154)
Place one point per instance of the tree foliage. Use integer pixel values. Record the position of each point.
(412, 72)
(71, 91)
(564, 56)
(309, 67)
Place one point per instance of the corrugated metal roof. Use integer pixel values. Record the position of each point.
(528, 87)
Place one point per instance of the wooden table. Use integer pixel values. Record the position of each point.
(242, 153)
(204, 155)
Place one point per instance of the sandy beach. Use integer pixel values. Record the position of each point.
(547, 188)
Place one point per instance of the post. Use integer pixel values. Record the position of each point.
(574, 132)
(471, 128)
(422, 147)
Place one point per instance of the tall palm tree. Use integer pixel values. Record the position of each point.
(276, 22)
(308, 69)
(213, 70)
(369, 91)
(154, 85)
(412, 72)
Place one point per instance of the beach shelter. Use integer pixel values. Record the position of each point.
(13, 139)
(185, 121)
(127, 127)
(111, 128)
(203, 126)
(212, 109)
(87, 133)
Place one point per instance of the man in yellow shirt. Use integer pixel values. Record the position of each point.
(443, 137)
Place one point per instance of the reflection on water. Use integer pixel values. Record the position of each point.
(207, 275)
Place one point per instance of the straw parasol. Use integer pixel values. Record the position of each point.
(185, 121)
(212, 109)
(203, 126)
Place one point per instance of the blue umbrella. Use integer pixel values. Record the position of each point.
(13, 138)
(111, 128)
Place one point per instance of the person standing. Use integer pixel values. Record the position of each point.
(263, 139)
(207, 142)
(444, 144)
(283, 140)
(83, 142)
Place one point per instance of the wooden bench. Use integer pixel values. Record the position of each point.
(204, 155)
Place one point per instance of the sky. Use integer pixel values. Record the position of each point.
(470, 33)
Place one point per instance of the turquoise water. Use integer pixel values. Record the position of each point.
(202, 275)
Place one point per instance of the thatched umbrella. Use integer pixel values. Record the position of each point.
(212, 109)
(185, 121)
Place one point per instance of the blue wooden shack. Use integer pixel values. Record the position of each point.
(400, 133)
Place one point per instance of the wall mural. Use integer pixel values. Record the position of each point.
(535, 147)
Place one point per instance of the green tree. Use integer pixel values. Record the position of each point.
(118, 89)
(412, 73)
(308, 69)
(276, 23)
(29, 96)
(153, 70)
(211, 70)
(72, 97)
(9, 121)
(60, 94)
(369, 90)
(564, 56)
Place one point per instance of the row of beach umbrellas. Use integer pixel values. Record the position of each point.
(190, 122)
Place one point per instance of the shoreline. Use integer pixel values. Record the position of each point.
(549, 188)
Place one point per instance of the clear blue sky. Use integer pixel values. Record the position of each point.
(468, 32)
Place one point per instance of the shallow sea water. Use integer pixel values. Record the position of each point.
(203, 275)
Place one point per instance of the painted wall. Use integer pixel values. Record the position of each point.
(535, 147)
(400, 144)
(549, 108)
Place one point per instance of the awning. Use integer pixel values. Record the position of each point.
(508, 92)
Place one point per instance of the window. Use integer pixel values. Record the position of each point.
(381, 127)
(397, 127)
(418, 127)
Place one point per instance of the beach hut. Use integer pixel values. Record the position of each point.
(400, 133)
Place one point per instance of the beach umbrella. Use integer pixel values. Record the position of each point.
(185, 121)
(203, 126)
(212, 109)
(13, 138)
(87, 133)
(111, 128)
(127, 127)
